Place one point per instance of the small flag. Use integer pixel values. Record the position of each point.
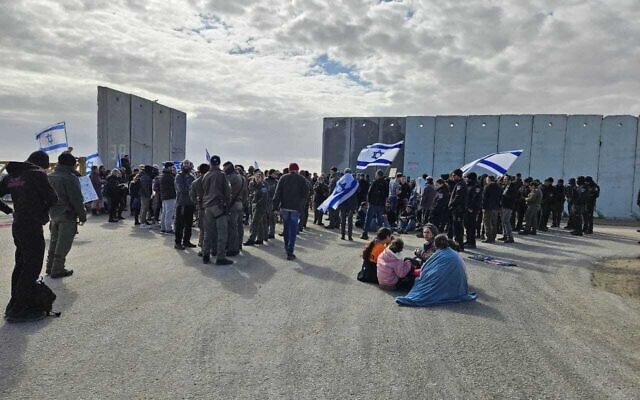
(498, 163)
(52, 138)
(345, 188)
(255, 165)
(207, 155)
(93, 159)
(178, 165)
(118, 161)
(378, 154)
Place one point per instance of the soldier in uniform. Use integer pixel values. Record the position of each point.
(569, 192)
(304, 217)
(557, 205)
(216, 201)
(260, 203)
(593, 192)
(197, 193)
(458, 206)
(546, 204)
(239, 193)
(533, 200)
(474, 205)
(272, 183)
(65, 214)
(579, 203)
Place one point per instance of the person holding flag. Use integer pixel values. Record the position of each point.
(343, 199)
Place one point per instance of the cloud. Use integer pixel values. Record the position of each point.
(256, 78)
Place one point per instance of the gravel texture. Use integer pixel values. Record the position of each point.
(141, 320)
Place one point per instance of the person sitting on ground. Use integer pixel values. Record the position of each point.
(429, 232)
(394, 272)
(408, 219)
(368, 272)
(443, 279)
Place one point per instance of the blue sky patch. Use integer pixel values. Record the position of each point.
(332, 67)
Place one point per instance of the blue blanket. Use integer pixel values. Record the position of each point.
(443, 280)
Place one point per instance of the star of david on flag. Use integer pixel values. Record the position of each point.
(345, 188)
(93, 159)
(52, 138)
(378, 154)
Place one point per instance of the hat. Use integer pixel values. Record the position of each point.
(215, 160)
(432, 228)
(294, 167)
(39, 158)
(457, 172)
(167, 164)
(399, 175)
(67, 159)
(347, 170)
(379, 172)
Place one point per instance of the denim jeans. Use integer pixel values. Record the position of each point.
(374, 212)
(408, 225)
(290, 219)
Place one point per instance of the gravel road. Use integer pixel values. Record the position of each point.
(141, 320)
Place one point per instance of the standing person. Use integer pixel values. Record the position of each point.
(134, 192)
(458, 206)
(491, 196)
(197, 193)
(291, 194)
(145, 196)
(533, 207)
(521, 208)
(547, 203)
(569, 192)
(320, 194)
(126, 166)
(185, 207)
(114, 194)
(508, 201)
(32, 196)
(260, 203)
(474, 205)
(440, 211)
(272, 183)
(167, 187)
(377, 198)
(557, 206)
(346, 209)
(96, 182)
(426, 200)
(216, 201)
(593, 192)
(65, 214)
(334, 215)
(239, 194)
(579, 202)
(363, 189)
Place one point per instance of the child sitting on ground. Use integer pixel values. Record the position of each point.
(371, 253)
(394, 272)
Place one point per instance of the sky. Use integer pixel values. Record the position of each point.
(256, 77)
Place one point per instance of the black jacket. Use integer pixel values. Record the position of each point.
(31, 192)
(510, 196)
(378, 192)
(558, 195)
(167, 185)
(441, 200)
(458, 201)
(491, 196)
(292, 192)
(474, 197)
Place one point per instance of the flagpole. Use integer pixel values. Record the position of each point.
(65, 133)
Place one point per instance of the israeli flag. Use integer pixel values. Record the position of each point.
(378, 154)
(345, 188)
(207, 155)
(118, 160)
(53, 138)
(93, 159)
(498, 163)
(178, 165)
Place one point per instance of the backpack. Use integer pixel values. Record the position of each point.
(43, 298)
(368, 273)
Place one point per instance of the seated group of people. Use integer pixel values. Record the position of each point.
(434, 275)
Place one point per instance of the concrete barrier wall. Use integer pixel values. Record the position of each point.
(161, 133)
(449, 144)
(558, 146)
(547, 146)
(419, 145)
(481, 136)
(114, 130)
(141, 131)
(178, 135)
(616, 166)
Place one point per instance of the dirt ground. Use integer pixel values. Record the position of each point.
(619, 276)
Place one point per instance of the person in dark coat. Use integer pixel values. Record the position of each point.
(546, 205)
(347, 209)
(579, 203)
(185, 207)
(113, 191)
(508, 202)
(557, 205)
(320, 194)
(291, 195)
(377, 199)
(458, 206)
(491, 196)
(440, 210)
(32, 197)
(593, 192)
(167, 197)
(474, 206)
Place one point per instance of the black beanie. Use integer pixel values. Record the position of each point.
(39, 158)
(67, 159)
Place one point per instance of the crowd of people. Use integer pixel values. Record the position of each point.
(221, 198)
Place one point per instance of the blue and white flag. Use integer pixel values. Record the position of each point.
(52, 138)
(93, 159)
(118, 160)
(498, 163)
(378, 154)
(207, 155)
(178, 165)
(345, 188)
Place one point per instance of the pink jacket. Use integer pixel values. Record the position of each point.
(391, 269)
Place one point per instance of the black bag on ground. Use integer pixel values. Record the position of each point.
(368, 273)
(43, 298)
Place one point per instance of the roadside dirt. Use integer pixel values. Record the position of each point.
(619, 276)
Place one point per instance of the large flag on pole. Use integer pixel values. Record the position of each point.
(345, 188)
(498, 163)
(93, 159)
(52, 138)
(378, 154)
